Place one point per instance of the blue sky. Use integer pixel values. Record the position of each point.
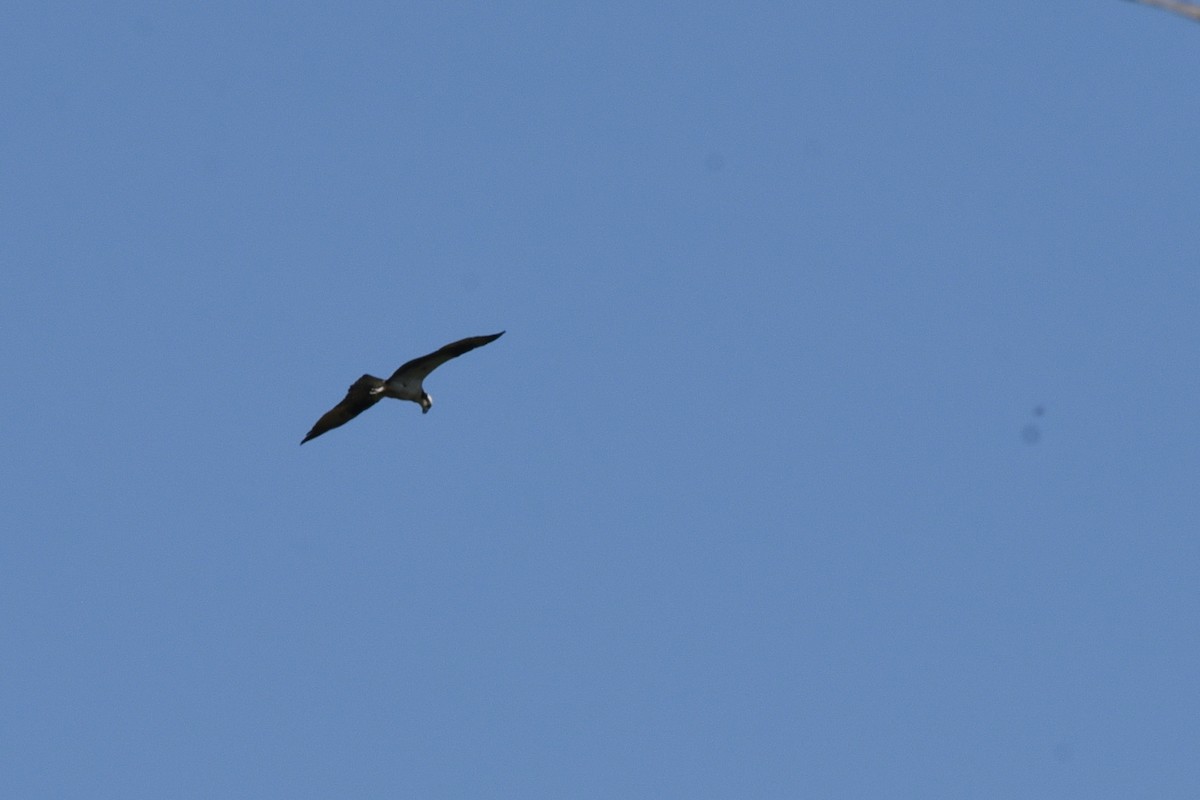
(747, 502)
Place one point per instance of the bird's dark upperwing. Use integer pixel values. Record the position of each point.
(358, 399)
(415, 371)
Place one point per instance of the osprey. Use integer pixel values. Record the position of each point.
(405, 384)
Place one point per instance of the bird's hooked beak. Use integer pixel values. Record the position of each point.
(426, 403)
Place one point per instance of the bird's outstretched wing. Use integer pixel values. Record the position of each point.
(359, 398)
(1183, 9)
(413, 372)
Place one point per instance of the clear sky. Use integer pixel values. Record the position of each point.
(843, 442)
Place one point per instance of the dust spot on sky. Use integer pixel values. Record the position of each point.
(1032, 432)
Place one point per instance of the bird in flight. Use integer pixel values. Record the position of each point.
(405, 384)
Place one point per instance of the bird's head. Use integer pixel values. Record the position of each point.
(426, 402)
